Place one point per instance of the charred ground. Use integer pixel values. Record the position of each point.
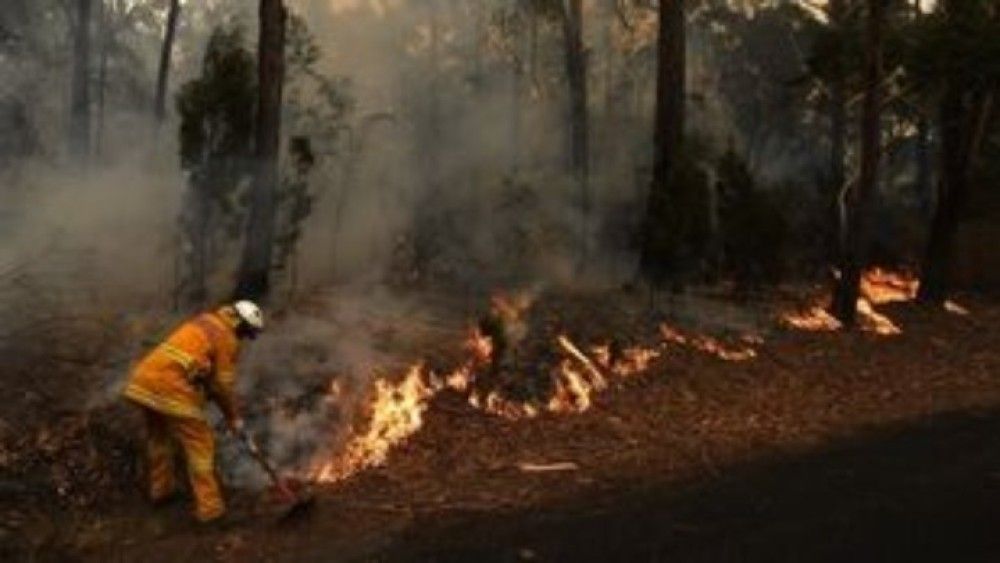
(826, 446)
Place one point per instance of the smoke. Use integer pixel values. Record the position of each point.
(307, 379)
(110, 225)
(451, 173)
(465, 181)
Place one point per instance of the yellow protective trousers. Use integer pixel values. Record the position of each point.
(195, 437)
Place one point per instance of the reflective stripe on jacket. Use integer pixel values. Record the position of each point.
(198, 356)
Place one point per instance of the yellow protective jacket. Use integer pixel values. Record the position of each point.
(197, 360)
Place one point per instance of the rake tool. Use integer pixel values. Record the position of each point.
(298, 504)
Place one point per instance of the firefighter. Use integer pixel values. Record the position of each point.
(171, 386)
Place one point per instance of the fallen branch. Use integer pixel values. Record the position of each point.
(583, 359)
(527, 467)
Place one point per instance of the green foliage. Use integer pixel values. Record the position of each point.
(216, 135)
(217, 120)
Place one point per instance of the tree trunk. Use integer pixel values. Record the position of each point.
(435, 117)
(576, 74)
(79, 134)
(579, 149)
(923, 186)
(668, 135)
(609, 60)
(106, 33)
(533, 49)
(608, 150)
(479, 39)
(255, 269)
(963, 118)
(518, 70)
(964, 112)
(160, 103)
(834, 224)
(860, 218)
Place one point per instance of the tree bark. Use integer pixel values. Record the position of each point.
(860, 212)
(834, 223)
(435, 116)
(579, 134)
(963, 114)
(576, 74)
(923, 185)
(79, 134)
(608, 147)
(963, 118)
(668, 135)
(160, 103)
(518, 69)
(255, 268)
(107, 35)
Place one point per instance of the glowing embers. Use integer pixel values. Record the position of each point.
(625, 362)
(880, 286)
(876, 322)
(877, 286)
(818, 319)
(814, 319)
(498, 405)
(710, 345)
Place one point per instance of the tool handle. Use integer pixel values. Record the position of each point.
(255, 452)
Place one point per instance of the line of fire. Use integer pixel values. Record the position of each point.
(499, 280)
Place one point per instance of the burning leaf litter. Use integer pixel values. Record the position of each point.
(396, 407)
(878, 287)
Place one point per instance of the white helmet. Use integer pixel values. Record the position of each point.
(250, 313)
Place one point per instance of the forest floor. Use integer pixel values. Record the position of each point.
(824, 447)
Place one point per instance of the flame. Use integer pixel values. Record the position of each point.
(875, 321)
(396, 407)
(816, 319)
(881, 286)
(496, 404)
(635, 360)
(628, 362)
(572, 390)
(396, 412)
(597, 378)
(878, 286)
(479, 345)
(459, 380)
(710, 345)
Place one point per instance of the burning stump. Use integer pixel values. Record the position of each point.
(516, 366)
